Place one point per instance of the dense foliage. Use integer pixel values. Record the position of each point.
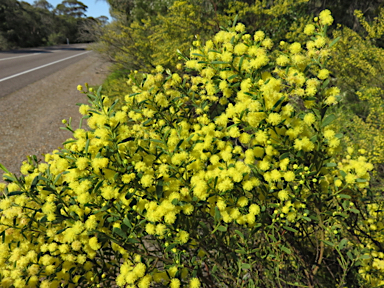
(145, 33)
(356, 62)
(25, 25)
(230, 172)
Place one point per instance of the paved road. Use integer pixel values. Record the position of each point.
(23, 67)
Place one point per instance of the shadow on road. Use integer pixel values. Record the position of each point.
(69, 49)
(25, 51)
(72, 47)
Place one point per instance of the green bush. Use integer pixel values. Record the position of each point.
(4, 45)
(142, 41)
(227, 174)
(357, 64)
(56, 38)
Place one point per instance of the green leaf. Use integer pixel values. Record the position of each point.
(157, 141)
(325, 84)
(344, 196)
(361, 180)
(219, 62)
(15, 193)
(273, 238)
(146, 122)
(215, 183)
(11, 179)
(120, 232)
(328, 243)
(86, 146)
(240, 234)
(241, 63)
(235, 21)
(61, 231)
(306, 218)
(246, 266)
(178, 144)
(133, 94)
(232, 77)
(364, 257)
(222, 228)
(277, 103)
(98, 185)
(214, 269)
(170, 247)
(328, 120)
(314, 138)
(99, 90)
(181, 54)
(2, 167)
(69, 141)
(283, 156)
(330, 165)
(342, 243)
(133, 240)
(112, 219)
(190, 138)
(350, 256)
(129, 195)
(127, 222)
(290, 229)
(197, 54)
(242, 251)
(251, 284)
(44, 219)
(285, 249)
(159, 189)
(202, 224)
(334, 42)
(34, 182)
(345, 204)
(104, 208)
(354, 210)
(217, 215)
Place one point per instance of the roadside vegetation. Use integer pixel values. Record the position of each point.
(235, 144)
(25, 25)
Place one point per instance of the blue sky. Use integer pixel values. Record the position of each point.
(96, 8)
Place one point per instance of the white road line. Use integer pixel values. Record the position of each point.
(30, 70)
(18, 56)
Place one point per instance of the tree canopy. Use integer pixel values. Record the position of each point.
(25, 25)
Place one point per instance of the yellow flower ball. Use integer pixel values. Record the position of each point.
(309, 29)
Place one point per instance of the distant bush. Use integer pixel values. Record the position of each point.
(141, 41)
(56, 38)
(4, 45)
(358, 66)
(229, 173)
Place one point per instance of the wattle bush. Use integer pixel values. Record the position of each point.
(358, 62)
(227, 174)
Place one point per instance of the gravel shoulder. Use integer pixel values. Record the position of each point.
(31, 117)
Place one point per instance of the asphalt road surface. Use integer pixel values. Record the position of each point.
(23, 67)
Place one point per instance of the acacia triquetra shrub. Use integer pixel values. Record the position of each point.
(228, 173)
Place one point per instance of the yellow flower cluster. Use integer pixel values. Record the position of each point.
(240, 140)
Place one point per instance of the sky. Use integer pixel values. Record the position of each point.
(95, 9)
